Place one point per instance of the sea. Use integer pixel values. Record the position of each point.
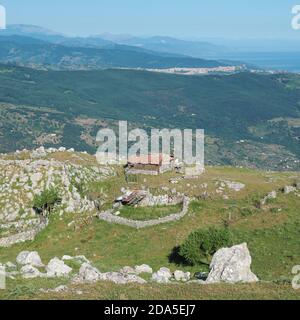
(280, 61)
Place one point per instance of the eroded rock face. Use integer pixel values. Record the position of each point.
(232, 265)
(29, 258)
(57, 268)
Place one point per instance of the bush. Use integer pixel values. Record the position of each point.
(200, 245)
(45, 201)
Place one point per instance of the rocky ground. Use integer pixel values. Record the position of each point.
(23, 179)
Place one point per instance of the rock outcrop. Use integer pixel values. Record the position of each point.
(22, 180)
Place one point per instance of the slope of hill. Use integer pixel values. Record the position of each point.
(271, 230)
(249, 119)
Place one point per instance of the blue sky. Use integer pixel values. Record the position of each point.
(181, 18)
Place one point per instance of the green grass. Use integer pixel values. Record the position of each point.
(149, 213)
(107, 291)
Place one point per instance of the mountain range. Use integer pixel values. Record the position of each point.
(34, 52)
(169, 45)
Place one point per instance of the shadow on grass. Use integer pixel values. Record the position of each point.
(175, 257)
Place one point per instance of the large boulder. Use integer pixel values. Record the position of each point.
(57, 268)
(232, 265)
(29, 258)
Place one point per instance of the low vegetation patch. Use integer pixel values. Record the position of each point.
(200, 245)
(45, 202)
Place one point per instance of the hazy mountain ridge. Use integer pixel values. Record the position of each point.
(33, 52)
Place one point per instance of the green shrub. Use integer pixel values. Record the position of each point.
(200, 245)
(45, 201)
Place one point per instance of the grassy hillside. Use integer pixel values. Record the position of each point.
(272, 234)
(261, 110)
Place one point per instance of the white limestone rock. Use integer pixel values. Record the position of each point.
(30, 272)
(128, 270)
(29, 258)
(163, 275)
(57, 268)
(289, 189)
(181, 276)
(88, 273)
(144, 268)
(119, 278)
(232, 265)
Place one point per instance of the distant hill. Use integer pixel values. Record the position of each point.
(249, 119)
(199, 49)
(161, 44)
(34, 52)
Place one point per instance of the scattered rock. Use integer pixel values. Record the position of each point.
(128, 270)
(30, 272)
(120, 278)
(236, 186)
(57, 268)
(181, 276)
(289, 189)
(88, 273)
(270, 196)
(144, 268)
(10, 266)
(231, 265)
(38, 153)
(67, 258)
(163, 275)
(60, 289)
(29, 258)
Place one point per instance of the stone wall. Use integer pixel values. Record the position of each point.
(23, 236)
(109, 217)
